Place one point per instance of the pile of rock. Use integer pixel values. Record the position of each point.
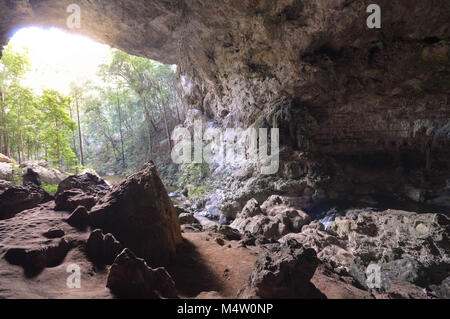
(273, 219)
(408, 248)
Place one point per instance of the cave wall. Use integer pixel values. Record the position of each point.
(368, 107)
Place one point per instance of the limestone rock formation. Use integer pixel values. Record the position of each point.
(187, 218)
(14, 199)
(89, 183)
(79, 218)
(309, 68)
(43, 248)
(69, 200)
(408, 247)
(130, 277)
(139, 213)
(283, 271)
(54, 232)
(273, 219)
(46, 173)
(34, 260)
(103, 249)
(391, 235)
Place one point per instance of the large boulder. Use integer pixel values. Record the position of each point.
(47, 174)
(68, 200)
(89, 183)
(6, 171)
(329, 248)
(273, 219)
(15, 199)
(139, 213)
(282, 271)
(4, 159)
(187, 218)
(131, 277)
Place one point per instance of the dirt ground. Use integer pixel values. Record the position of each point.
(205, 267)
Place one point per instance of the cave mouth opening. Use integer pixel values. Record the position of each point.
(81, 105)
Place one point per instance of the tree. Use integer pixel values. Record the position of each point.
(58, 126)
(13, 65)
(77, 94)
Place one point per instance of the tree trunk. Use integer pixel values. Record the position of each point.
(120, 129)
(164, 102)
(5, 128)
(74, 139)
(79, 133)
(148, 120)
(19, 127)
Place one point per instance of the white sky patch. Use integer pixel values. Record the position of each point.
(59, 58)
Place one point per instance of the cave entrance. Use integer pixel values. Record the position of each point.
(80, 105)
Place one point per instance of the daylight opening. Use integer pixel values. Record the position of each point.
(73, 104)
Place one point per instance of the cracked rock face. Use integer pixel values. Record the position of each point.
(349, 98)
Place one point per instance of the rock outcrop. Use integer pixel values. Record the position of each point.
(35, 260)
(407, 247)
(70, 199)
(139, 213)
(391, 235)
(46, 173)
(187, 218)
(14, 199)
(283, 271)
(89, 183)
(272, 220)
(130, 277)
(103, 249)
(79, 218)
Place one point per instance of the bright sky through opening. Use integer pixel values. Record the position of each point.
(59, 58)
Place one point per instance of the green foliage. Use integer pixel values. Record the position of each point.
(117, 126)
(50, 188)
(17, 175)
(32, 127)
(195, 177)
(126, 123)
